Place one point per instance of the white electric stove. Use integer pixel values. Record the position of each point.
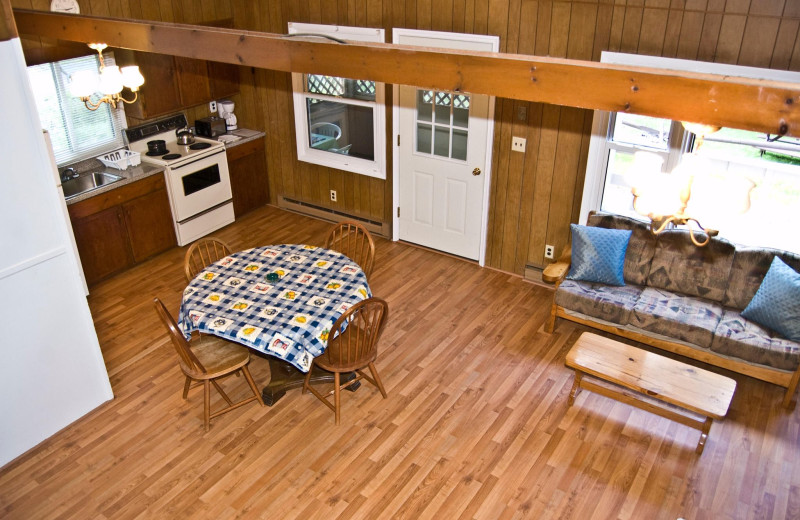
(197, 177)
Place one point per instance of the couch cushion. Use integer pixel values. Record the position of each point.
(750, 264)
(776, 304)
(743, 339)
(598, 254)
(684, 318)
(602, 301)
(641, 246)
(679, 266)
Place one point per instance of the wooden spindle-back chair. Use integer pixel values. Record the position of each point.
(202, 254)
(207, 359)
(352, 350)
(353, 239)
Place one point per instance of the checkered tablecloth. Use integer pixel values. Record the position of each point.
(289, 318)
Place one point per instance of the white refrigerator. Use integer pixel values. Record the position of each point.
(52, 370)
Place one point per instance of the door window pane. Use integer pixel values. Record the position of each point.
(461, 111)
(443, 102)
(459, 144)
(424, 138)
(424, 106)
(441, 142)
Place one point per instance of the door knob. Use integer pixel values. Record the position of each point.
(476, 171)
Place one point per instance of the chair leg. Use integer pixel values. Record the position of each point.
(377, 378)
(337, 397)
(207, 403)
(252, 384)
(186, 387)
(307, 380)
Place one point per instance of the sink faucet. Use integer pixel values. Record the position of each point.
(68, 173)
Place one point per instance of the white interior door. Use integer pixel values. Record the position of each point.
(442, 157)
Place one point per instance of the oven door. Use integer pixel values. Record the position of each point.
(199, 185)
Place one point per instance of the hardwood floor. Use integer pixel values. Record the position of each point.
(476, 424)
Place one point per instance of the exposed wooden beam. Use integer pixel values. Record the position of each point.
(715, 99)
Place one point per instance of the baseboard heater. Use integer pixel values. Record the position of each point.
(312, 210)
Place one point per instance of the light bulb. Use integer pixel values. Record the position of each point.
(83, 83)
(132, 78)
(111, 80)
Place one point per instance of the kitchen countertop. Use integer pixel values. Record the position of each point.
(242, 140)
(144, 170)
(128, 175)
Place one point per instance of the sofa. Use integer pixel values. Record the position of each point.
(684, 299)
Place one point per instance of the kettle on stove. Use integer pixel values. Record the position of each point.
(184, 136)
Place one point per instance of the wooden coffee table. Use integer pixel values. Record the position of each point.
(680, 392)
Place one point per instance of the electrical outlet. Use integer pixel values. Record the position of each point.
(212, 106)
(549, 252)
(517, 144)
(333, 195)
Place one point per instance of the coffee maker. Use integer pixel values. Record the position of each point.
(226, 112)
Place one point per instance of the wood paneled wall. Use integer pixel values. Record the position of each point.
(535, 195)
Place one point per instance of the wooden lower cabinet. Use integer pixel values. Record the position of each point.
(102, 240)
(248, 169)
(124, 226)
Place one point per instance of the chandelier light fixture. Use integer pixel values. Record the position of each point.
(693, 190)
(110, 82)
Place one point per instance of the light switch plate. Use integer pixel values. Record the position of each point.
(517, 144)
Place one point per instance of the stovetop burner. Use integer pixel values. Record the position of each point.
(171, 156)
(160, 153)
(199, 146)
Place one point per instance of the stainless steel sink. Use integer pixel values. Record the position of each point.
(87, 182)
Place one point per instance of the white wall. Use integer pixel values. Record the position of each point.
(51, 368)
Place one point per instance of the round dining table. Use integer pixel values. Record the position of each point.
(279, 300)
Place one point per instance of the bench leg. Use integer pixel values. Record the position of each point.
(576, 388)
(703, 436)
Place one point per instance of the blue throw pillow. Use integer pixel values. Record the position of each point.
(776, 304)
(598, 254)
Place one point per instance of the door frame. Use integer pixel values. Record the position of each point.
(455, 39)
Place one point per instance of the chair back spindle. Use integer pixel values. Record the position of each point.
(203, 253)
(187, 357)
(353, 240)
(356, 346)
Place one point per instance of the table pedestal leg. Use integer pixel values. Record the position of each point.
(284, 376)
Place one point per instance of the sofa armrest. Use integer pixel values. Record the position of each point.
(555, 272)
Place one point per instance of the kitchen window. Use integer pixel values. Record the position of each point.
(340, 122)
(76, 132)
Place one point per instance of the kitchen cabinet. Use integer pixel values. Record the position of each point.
(172, 83)
(122, 227)
(248, 170)
(102, 243)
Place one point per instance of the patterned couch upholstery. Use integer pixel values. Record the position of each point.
(685, 299)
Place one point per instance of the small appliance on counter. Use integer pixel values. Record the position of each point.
(225, 108)
(210, 126)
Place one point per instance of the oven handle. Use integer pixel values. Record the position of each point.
(174, 168)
